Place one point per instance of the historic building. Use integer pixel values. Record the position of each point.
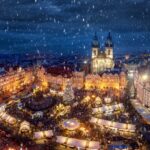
(111, 81)
(142, 84)
(106, 81)
(16, 80)
(102, 60)
(59, 81)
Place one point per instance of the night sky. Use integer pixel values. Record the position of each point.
(68, 26)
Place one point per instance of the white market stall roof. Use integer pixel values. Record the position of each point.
(70, 124)
(43, 134)
(144, 112)
(7, 118)
(112, 124)
(25, 126)
(60, 93)
(108, 108)
(2, 107)
(72, 142)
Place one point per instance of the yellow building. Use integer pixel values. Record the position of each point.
(16, 80)
(105, 81)
(102, 60)
(77, 80)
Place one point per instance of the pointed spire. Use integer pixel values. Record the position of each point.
(95, 42)
(109, 37)
(95, 36)
(109, 42)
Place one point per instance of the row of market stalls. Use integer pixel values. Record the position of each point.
(25, 128)
(54, 92)
(2, 107)
(43, 134)
(109, 108)
(123, 127)
(143, 112)
(7, 118)
(73, 142)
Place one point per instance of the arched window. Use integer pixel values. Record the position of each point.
(109, 51)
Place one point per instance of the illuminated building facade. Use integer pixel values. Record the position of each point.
(77, 79)
(102, 60)
(142, 84)
(106, 81)
(15, 80)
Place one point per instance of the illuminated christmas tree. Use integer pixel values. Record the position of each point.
(68, 93)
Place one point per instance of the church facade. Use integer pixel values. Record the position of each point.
(102, 60)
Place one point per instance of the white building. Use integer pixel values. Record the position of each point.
(142, 84)
(102, 60)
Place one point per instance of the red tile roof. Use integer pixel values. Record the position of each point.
(61, 70)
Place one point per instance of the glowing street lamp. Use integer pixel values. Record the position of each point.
(85, 62)
(11, 148)
(144, 77)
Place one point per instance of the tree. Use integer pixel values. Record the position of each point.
(68, 93)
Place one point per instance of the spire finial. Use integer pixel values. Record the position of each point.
(95, 42)
(109, 35)
(109, 42)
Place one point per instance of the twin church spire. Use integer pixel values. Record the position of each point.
(102, 60)
(95, 42)
(108, 43)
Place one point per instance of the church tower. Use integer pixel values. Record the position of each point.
(102, 60)
(109, 46)
(95, 46)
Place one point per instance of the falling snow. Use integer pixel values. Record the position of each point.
(70, 25)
